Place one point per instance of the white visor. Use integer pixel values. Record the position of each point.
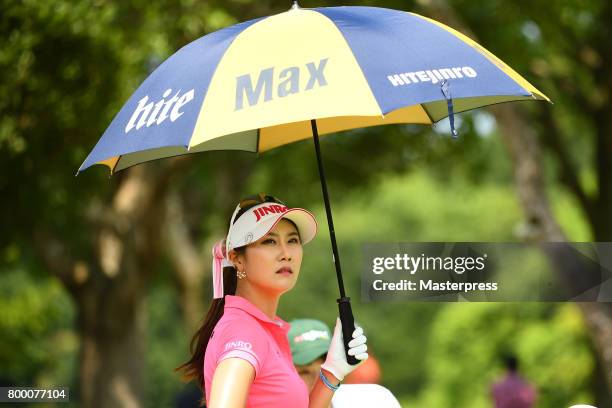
(260, 219)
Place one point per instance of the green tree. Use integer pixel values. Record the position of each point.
(470, 339)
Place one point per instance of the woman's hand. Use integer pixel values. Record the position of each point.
(336, 362)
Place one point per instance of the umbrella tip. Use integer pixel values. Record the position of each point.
(295, 5)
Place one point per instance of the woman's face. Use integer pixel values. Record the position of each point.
(272, 263)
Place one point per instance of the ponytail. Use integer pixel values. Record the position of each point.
(193, 369)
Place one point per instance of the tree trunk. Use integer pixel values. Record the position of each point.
(111, 323)
(112, 332)
(108, 280)
(598, 317)
(188, 263)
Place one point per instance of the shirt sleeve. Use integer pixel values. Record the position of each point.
(244, 340)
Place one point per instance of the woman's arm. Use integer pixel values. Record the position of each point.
(231, 383)
(320, 395)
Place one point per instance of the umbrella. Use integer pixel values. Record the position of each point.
(303, 73)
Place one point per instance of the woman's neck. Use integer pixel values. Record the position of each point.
(263, 301)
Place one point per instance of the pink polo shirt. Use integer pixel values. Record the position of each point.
(246, 332)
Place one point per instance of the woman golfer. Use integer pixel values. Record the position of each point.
(241, 353)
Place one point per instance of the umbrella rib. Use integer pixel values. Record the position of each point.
(427, 113)
(116, 163)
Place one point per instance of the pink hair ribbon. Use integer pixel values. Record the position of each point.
(219, 262)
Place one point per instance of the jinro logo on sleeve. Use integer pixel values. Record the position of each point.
(238, 344)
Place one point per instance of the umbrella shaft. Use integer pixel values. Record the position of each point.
(330, 221)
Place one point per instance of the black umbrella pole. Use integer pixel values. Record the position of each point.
(344, 302)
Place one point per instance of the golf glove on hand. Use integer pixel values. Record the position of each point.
(336, 362)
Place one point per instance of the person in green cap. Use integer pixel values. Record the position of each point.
(309, 340)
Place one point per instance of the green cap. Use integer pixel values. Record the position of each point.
(309, 339)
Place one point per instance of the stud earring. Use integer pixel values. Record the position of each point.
(241, 274)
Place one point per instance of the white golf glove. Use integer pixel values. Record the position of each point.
(336, 362)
